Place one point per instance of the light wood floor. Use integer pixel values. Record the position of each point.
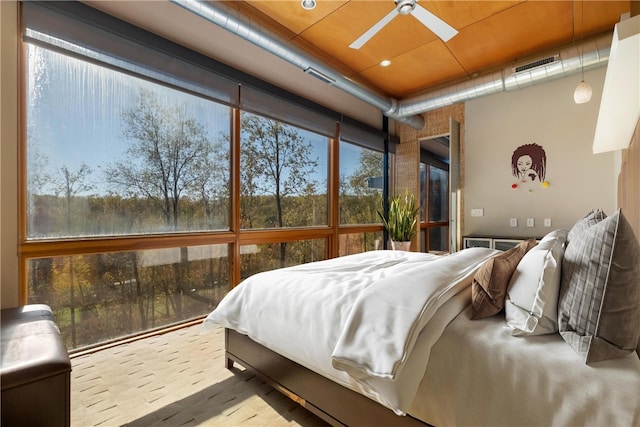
(175, 379)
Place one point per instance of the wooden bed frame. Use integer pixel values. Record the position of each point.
(340, 406)
(330, 401)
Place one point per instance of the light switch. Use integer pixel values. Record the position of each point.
(477, 212)
(547, 222)
(513, 222)
(531, 222)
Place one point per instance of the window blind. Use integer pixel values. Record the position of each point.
(85, 32)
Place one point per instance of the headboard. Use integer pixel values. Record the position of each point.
(629, 182)
(629, 186)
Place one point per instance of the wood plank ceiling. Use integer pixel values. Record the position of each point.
(492, 35)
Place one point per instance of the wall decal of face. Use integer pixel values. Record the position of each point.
(529, 163)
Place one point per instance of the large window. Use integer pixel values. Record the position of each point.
(153, 182)
(283, 171)
(434, 207)
(100, 297)
(355, 243)
(360, 197)
(257, 258)
(361, 184)
(110, 154)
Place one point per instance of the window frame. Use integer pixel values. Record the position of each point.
(357, 132)
(425, 225)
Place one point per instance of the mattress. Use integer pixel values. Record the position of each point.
(481, 375)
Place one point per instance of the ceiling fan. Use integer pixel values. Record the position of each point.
(406, 7)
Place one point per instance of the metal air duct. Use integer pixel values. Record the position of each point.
(594, 54)
(590, 54)
(228, 19)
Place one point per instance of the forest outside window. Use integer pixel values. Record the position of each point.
(110, 154)
(100, 297)
(360, 197)
(283, 174)
(361, 184)
(147, 193)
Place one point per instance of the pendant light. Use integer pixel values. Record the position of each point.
(583, 91)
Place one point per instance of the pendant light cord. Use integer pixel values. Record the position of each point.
(582, 37)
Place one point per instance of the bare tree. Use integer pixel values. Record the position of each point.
(169, 151)
(276, 160)
(369, 168)
(361, 197)
(40, 271)
(168, 159)
(213, 184)
(361, 191)
(70, 184)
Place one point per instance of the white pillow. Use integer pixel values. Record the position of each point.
(531, 305)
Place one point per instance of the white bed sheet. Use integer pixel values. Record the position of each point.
(309, 312)
(480, 375)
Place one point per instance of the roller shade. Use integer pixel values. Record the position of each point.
(261, 102)
(365, 136)
(81, 31)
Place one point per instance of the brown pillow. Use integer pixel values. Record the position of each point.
(489, 286)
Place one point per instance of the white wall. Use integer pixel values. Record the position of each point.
(544, 114)
(8, 153)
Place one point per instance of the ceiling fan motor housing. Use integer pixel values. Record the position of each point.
(405, 7)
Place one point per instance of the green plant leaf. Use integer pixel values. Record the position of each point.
(401, 219)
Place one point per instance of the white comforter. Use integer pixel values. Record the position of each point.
(356, 319)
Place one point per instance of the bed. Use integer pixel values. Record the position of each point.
(478, 337)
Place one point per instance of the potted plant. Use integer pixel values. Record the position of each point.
(400, 222)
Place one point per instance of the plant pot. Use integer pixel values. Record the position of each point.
(401, 246)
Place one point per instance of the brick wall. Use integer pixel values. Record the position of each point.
(437, 123)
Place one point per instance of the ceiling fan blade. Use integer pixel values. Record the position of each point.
(373, 30)
(435, 24)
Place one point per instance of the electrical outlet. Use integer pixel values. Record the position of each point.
(513, 222)
(531, 222)
(547, 222)
(477, 212)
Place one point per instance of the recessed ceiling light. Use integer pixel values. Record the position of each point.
(308, 4)
(385, 63)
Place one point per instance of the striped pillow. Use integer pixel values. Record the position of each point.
(592, 218)
(599, 302)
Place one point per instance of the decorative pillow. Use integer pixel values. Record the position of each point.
(531, 304)
(490, 282)
(592, 218)
(599, 303)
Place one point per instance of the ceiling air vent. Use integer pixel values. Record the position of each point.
(535, 64)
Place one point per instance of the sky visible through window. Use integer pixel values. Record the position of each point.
(75, 113)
